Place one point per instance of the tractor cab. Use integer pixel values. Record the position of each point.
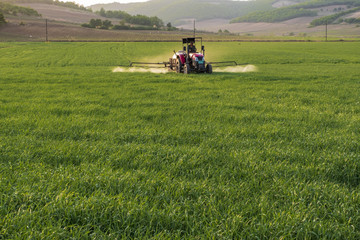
(189, 46)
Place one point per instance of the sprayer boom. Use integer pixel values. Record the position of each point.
(226, 64)
(147, 64)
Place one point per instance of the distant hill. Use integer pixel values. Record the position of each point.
(291, 18)
(178, 11)
(294, 9)
(271, 18)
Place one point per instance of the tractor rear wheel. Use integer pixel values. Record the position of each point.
(209, 69)
(187, 69)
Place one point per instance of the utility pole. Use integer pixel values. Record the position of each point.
(326, 30)
(194, 27)
(46, 21)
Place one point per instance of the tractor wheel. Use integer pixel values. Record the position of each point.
(178, 66)
(209, 69)
(187, 69)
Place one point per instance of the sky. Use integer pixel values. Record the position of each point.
(92, 2)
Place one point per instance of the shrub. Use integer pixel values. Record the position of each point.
(86, 25)
(106, 24)
(120, 27)
(169, 27)
(97, 23)
(2, 19)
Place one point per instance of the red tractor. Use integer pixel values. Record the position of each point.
(189, 60)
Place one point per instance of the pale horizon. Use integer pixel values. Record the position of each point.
(87, 3)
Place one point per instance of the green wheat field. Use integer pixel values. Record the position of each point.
(88, 153)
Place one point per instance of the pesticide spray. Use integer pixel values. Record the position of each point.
(140, 69)
(235, 69)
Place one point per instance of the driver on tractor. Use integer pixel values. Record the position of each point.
(192, 48)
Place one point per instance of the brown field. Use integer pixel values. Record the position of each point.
(63, 14)
(64, 25)
(296, 27)
(35, 30)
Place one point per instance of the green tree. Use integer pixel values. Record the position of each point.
(92, 23)
(96, 23)
(106, 24)
(102, 12)
(169, 26)
(155, 21)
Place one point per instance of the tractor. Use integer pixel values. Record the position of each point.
(189, 60)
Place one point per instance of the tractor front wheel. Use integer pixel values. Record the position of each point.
(178, 66)
(209, 69)
(187, 69)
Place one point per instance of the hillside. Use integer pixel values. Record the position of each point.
(292, 18)
(64, 24)
(294, 9)
(182, 13)
(51, 2)
(7, 8)
(178, 12)
(334, 17)
(62, 14)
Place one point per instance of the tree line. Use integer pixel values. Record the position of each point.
(351, 20)
(277, 15)
(332, 18)
(7, 8)
(136, 19)
(324, 3)
(54, 2)
(106, 24)
(98, 23)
